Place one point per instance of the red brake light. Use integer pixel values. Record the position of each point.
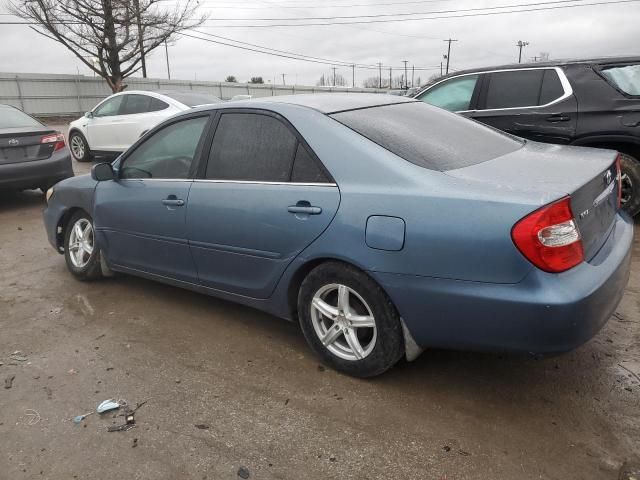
(56, 138)
(549, 237)
(619, 178)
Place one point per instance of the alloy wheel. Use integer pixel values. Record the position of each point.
(81, 242)
(343, 322)
(77, 147)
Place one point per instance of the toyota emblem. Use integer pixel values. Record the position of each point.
(14, 141)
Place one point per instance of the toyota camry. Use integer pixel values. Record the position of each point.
(379, 223)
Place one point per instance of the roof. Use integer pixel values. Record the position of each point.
(329, 103)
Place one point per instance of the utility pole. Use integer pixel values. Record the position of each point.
(440, 68)
(413, 74)
(166, 52)
(143, 63)
(448, 57)
(380, 74)
(353, 76)
(390, 79)
(334, 76)
(520, 46)
(283, 82)
(535, 59)
(405, 73)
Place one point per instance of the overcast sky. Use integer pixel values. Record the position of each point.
(482, 40)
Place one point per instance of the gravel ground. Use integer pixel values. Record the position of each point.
(234, 393)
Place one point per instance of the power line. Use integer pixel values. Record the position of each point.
(483, 14)
(312, 6)
(402, 14)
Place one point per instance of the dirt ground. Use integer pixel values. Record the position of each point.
(233, 392)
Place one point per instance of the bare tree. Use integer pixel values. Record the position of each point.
(111, 37)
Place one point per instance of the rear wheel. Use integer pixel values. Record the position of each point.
(79, 147)
(630, 184)
(80, 250)
(349, 321)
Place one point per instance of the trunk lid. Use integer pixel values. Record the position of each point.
(550, 172)
(22, 144)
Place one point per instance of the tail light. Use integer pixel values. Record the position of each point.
(549, 237)
(619, 179)
(55, 138)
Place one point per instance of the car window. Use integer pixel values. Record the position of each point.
(429, 137)
(551, 87)
(13, 118)
(157, 105)
(306, 169)
(253, 147)
(134, 103)
(168, 153)
(518, 88)
(109, 107)
(626, 78)
(453, 95)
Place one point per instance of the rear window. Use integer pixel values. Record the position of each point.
(428, 136)
(626, 78)
(13, 118)
(192, 99)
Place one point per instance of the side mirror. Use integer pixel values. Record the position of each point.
(102, 171)
(88, 115)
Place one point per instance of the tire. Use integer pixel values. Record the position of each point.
(79, 147)
(84, 266)
(379, 337)
(630, 184)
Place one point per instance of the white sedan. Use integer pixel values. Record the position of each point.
(119, 120)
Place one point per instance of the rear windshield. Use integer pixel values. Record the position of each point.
(429, 136)
(626, 78)
(192, 99)
(13, 118)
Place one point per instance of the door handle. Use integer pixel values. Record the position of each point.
(304, 207)
(173, 201)
(558, 118)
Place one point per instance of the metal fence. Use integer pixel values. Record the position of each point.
(60, 95)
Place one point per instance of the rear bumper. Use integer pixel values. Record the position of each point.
(544, 313)
(37, 173)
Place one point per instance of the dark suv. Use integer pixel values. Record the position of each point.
(593, 103)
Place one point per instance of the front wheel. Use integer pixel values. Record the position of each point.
(79, 147)
(630, 181)
(349, 321)
(80, 250)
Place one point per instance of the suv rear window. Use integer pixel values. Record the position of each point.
(428, 136)
(626, 78)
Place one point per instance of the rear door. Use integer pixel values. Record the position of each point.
(536, 103)
(263, 197)
(140, 218)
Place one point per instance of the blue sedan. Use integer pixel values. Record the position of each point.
(381, 224)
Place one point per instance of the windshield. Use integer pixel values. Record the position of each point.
(626, 78)
(192, 99)
(428, 136)
(13, 118)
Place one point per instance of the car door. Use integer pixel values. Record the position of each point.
(103, 123)
(456, 94)
(139, 113)
(536, 103)
(263, 197)
(140, 217)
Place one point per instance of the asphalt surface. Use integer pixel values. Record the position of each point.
(233, 392)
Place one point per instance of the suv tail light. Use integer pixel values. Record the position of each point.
(56, 138)
(619, 179)
(549, 237)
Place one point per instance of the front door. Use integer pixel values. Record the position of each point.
(103, 125)
(140, 218)
(265, 197)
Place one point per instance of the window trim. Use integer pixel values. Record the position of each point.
(197, 157)
(202, 169)
(564, 81)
